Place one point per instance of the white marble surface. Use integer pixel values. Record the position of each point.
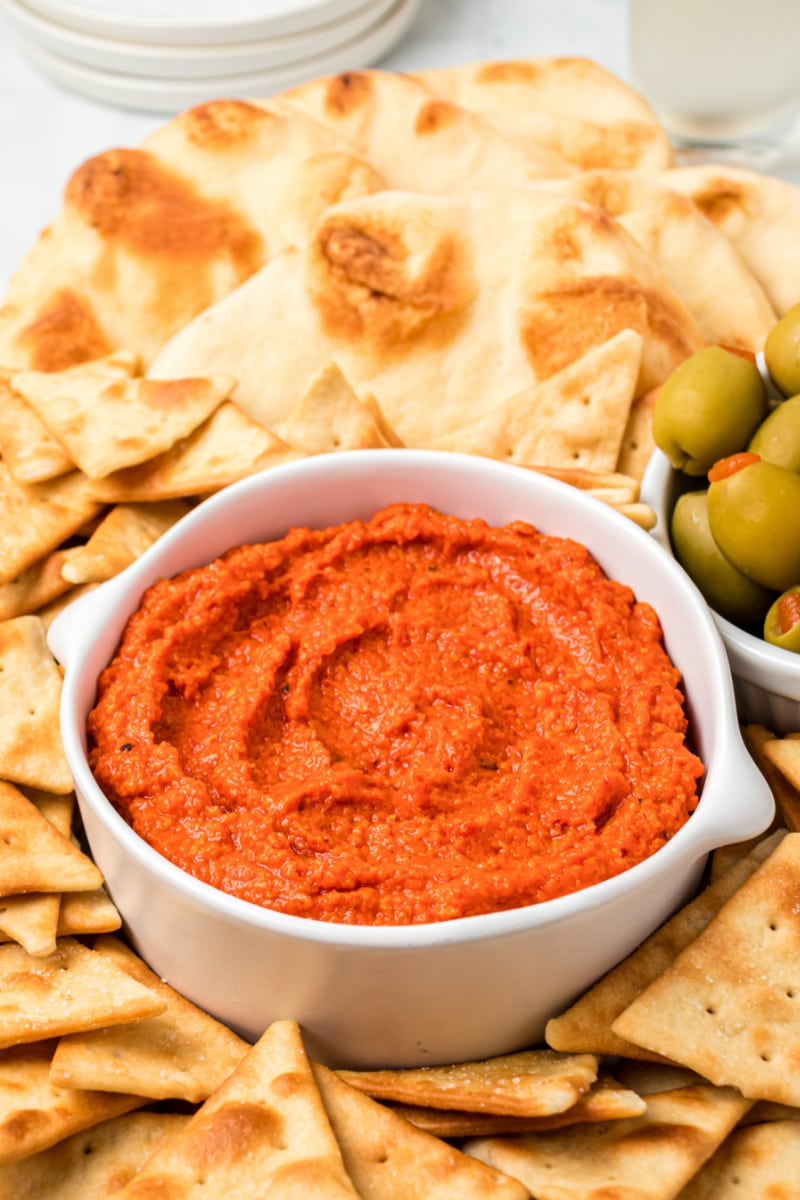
(47, 131)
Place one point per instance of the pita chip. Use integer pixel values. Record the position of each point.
(726, 1007)
(93, 1163)
(227, 447)
(574, 419)
(84, 913)
(330, 416)
(107, 426)
(37, 586)
(388, 1159)
(34, 855)
(588, 1022)
(529, 1083)
(263, 1132)
(650, 1157)
(120, 538)
(761, 1162)
(37, 518)
(30, 692)
(784, 755)
(29, 451)
(181, 1053)
(71, 990)
(31, 919)
(606, 1100)
(34, 1114)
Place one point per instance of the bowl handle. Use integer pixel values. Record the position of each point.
(71, 629)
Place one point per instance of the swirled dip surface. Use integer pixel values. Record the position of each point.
(409, 719)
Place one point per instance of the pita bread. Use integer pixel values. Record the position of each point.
(439, 296)
(572, 107)
(416, 139)
(176, 224)
(727, 302)
(759, 214)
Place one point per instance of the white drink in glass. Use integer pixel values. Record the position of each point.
(716, 70)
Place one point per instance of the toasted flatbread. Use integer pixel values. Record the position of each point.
(435, 296)
(570, 106)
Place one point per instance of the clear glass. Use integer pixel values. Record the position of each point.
(723, 74)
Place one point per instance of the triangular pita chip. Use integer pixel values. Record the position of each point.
(606, 1100)
(649, 1157)
(181, 1054)
(85, 913)
(36, 586)
(264, 1132)
(34, 1114)
(530, 1083)
(92, 1164)
(74, 989)
(30, 692)
(107, 427)
(32, 919)
(388, 1159)
(784, 753)
(226, 448)
(29, 450)
(760, 1162)
(574, 419)
(36, 519)
(587, 1023)
(330, 416)
(34, 855)
(120, 538)
(727, 1006)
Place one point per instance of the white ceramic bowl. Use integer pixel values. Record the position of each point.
(766, 678)
(429, 993)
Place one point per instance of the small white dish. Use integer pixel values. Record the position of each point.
(766, 678)
(421, 994)
(190, 62)
(193, 22)
(174, 95)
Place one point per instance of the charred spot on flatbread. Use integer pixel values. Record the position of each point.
(722, 199)
(64, 334)
(381, 283)
(435, 116)
(132, 200)
(221, 125)
(346, 92)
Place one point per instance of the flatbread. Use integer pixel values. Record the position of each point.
(759, 214)
(150, 236)
(726, 300)
(388, 1159)
(571, 106)
(727, 1006)
(415, 138)
(437, 296)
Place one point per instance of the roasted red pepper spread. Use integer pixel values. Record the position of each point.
(409, 719)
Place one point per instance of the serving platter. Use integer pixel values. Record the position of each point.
(250, 313)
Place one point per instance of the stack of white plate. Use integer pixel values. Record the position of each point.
(165, 55)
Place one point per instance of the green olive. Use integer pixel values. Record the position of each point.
(782, 352)
(754, 517)
(782, 622)
(777, 438)
(726, 589)
(708, 408)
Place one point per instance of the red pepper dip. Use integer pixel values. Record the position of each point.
(409, 719)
